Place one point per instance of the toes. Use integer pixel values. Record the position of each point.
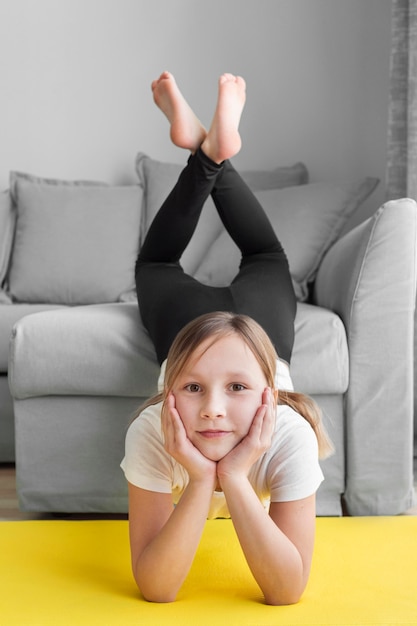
(166, 75)
(226, 78)
(231, 78)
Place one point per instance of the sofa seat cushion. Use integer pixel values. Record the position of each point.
(103, 350)
(9, 315)
(94, 350)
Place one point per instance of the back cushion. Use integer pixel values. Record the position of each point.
(75, 243)
(307, 220)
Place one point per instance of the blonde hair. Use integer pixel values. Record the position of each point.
(222, 324)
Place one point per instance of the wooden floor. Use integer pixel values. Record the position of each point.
(9, 508)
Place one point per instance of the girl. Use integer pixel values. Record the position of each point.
(231, 444)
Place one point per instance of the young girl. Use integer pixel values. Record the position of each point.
(232, 441)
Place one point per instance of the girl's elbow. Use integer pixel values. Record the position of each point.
(283, 599)
(153, 594)
(285, 596)
(159, 598)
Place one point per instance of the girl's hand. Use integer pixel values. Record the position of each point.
(239, 460)
(178, 445)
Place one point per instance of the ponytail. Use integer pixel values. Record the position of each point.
(309, 409)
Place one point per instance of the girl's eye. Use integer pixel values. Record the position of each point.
(193, 388)
(237, 387)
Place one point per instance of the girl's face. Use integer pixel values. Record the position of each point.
(218, 394)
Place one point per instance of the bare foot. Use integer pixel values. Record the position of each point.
(186, 129)
(223, 139)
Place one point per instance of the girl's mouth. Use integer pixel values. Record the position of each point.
(214, 434)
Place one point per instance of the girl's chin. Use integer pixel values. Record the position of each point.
(215, 449)
(214, 455)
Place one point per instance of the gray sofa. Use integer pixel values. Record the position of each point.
(80, 362)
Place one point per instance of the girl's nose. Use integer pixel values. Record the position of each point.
(213, 406)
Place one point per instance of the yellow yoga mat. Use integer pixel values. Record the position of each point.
(77, 573)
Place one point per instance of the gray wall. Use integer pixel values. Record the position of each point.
(75, 98)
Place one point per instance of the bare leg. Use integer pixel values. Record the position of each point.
(186, 129)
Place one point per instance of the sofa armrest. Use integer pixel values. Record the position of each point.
(369, 279)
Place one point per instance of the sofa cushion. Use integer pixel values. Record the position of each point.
(75, 242)
(5, 298)
(97, 350)
(103, 350)
(308, 219)
(157, 179)
(7, 224)
(9, 315)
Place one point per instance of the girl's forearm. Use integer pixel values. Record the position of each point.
(162, 567)
(275, 562)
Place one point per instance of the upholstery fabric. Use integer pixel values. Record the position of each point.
(7, 223)
(106, 351)
(7, 438)
(9, 315)
(369, 279)
(307, 219)
(75, 242)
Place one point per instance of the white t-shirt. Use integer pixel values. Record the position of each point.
(288, 471)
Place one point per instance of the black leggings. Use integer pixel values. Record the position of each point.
(169, 298)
